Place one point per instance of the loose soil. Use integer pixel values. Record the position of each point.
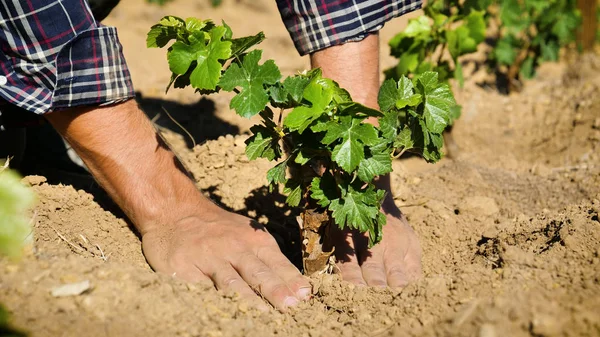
(509, 225)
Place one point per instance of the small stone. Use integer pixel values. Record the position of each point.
(487, 330)
(71, 289)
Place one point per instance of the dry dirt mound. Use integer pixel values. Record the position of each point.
(510, 227)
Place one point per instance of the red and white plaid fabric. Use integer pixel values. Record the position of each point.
(318, 24)
(54, 55)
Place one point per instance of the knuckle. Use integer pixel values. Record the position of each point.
(278, 290)
(372, 267)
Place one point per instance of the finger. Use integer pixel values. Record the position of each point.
(194, 275)
(371, 262)
(346, 257)
(227, 279)
(277, 262)
(266, 281)
(397, 276)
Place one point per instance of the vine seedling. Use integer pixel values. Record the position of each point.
(311, 126)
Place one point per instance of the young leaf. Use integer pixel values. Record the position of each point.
(241, 45)
(357, 209)
(262, 144)
(324, 189)
(378, 163)
(354, 135)
(398, 95)
(169, 28)
(252, 78)
(276, 175)
(320, 96)
(404, 140)
(208, 68)
(294, 191)
(438, 102)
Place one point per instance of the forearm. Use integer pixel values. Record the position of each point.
(355, 66)
(125, 155)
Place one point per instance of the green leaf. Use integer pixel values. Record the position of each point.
(398, 95)
(387, 96)
(358, 209)
(324, 189)
(294, 191)
(389, 124)
(241, 45)
(262, 144)
(458, 73)
(528, 68)
(252, 78)
(357, 109)
(295, 86)
(505, 53)
(303, 156)
(418, 26)
(169, 28)
(320, 95)
(438, 102)
(550, 50)
(404, 140)
(208, 68)
(276, 175)
(15, 199)
(378, 163)
(354, 135)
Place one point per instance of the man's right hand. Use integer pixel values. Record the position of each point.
(234, 252)
(183, 233)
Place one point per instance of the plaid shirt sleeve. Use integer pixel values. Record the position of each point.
(318, 24)
(54, 55)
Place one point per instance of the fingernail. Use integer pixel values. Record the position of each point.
(290, 302)
(304, 293)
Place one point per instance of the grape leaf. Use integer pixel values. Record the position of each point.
(262, 144)
(295, 87)
(359, 209)
(389, 124)
(438, 102)
(169, 28)
(208, 68)
(276, 175)
(357, 110)
(404, 140)
(301, 117)
(376, 164)
(324, 189)
(241, 45)
(354, 135)
(398, 95)
(294, 191)
(387, 95)
(252, 78)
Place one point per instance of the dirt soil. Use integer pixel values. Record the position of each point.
(509, 226)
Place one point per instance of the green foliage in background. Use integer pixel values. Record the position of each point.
(533, 31)
(15, 199)
(324, 128)
(529, 32)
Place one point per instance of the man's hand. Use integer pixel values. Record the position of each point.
(183, 233)
(235, 253)
(394, 262)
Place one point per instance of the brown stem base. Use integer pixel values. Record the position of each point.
(315, 226)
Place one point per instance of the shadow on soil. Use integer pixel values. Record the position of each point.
(197, 118)
(281, 218)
